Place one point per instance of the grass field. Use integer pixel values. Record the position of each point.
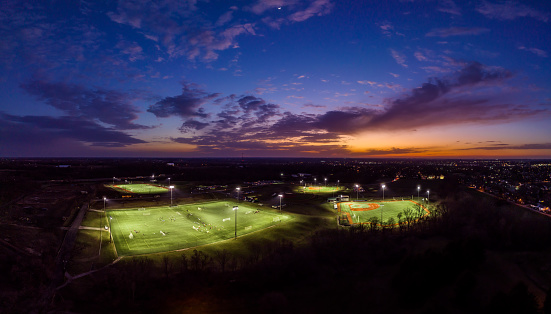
(140, 188)
(363, 211)
(319, 189)
(160, 229)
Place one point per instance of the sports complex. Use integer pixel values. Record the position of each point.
(168, 228)
(155, 228)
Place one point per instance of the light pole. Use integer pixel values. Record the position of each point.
(235, 210)
(280, 197)
(171, 187)
(428, 198)
(113, 180)
(238, 189)
(110, 235)
(382, 206)
(169, 181)
(357, 192)
(418, 188)
(325, 181)
(104, 199)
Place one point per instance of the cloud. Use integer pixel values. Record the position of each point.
(448, 6)
(316, 8)
(510, 10)
(420, 56)
(457, 31)
(400, 58)
(262, 6)
(515, 147)
(65, 128)
(108, 106)
(313, 8)
(187, 104)
(441, 101)
(391, 151)
(536, 51)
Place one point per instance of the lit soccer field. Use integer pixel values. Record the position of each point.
(160, 229)
(362, 212)
(140, 188)
(319, 189)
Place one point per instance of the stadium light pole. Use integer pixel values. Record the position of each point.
(418, 189)
(382, 206)
(428, 198)
(357, 192)
(104, 199)
(235, 210)
(325, 181)
(280, 197)
(110, 235)
(238, 189)
(171, 187)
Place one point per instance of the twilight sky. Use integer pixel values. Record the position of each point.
(280, 78)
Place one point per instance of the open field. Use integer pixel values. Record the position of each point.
(364, 211)
(319, 189)
(159, 229)
(140, 188)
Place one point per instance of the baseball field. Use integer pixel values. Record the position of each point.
(160, 229)
(364, 211)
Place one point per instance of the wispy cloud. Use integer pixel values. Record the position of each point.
(400, 58)
(510, 10)
(448, 6)
(535, 51)
(457, 31)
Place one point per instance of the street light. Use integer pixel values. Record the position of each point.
(418, 188)
(171, 187)
(104, 199)
(383, 186)
(325, 181)
(168, 181)
(280, 197)
(235, 210)
(238, 189)
(357, 192)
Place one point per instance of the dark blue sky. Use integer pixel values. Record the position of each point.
(311, 78)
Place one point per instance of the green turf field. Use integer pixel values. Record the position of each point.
(319, 189)
(363, 211)
(160, 229)
(140, 188)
